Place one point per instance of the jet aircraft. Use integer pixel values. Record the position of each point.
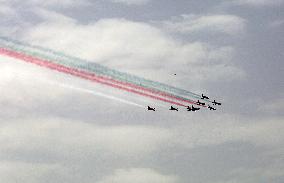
(211, 108)
(204, 97)
(151, 109)
(192, 108)
(216, 103)
(200, 103)
(173, 109)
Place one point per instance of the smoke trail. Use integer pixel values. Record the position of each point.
(95, 72)
(99, 69)
(102, 72)
(93, 93)
(78, 73)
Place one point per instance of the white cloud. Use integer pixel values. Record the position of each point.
(11, 171)
(73, 139)
(138, 175)
(137, 48)
(131, 2)
(223, 23)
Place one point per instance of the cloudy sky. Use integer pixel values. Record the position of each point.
(58, 128)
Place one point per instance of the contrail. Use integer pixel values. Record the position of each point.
(96, 72)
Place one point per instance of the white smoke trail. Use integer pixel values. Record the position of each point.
(94, 93)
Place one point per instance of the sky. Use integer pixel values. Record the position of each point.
(59, 128)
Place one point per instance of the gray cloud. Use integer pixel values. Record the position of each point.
(259, 2)
(54, 128)
(161, 54)
(228, 24)
(131, 2)
(142, 175)
(41, 3)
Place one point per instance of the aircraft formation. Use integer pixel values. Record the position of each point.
(96, 73)
(192, 108)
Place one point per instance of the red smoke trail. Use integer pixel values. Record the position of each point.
(82, 74)
(167, 95)
(145, 89)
